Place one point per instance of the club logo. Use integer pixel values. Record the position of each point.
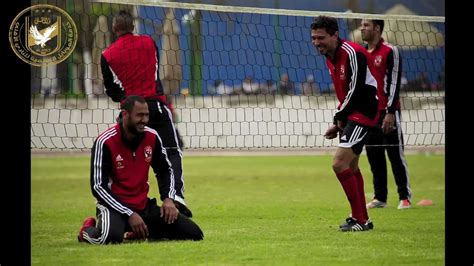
(342, 74)
(148, 153)
(43, 35)
(378, 60)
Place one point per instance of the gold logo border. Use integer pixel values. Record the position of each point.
(31, 8)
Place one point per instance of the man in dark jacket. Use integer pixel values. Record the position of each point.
(388, 135)
(120, 162)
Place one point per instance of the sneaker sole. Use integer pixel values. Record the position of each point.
(351, 230)
(376, 206)
(404, 207)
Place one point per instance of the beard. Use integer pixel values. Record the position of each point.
(134, 128)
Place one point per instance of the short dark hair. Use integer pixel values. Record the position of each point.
(129, 102)
(379, 22)
(123, 21)
(325, 22)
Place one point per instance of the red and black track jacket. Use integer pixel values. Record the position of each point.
(130, 67)
(387, 62)
(355, 83)
(119, 169)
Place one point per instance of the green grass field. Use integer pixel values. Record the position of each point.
(253, 210)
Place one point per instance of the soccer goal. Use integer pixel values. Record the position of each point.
(239, 77)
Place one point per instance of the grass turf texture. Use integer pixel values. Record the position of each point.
(253, 210)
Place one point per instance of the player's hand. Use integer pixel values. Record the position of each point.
(168, 211)
(138, 225)
(340, 125)
(388, 124)
(331, 132)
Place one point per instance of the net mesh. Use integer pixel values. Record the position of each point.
(238, 77)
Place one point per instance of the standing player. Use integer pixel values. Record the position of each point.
(356, 89)
(130, 67)
(388, 134)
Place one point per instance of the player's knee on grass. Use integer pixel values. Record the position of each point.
(115, 237)
(188, 229)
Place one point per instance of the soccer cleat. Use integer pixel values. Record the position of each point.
(375, 203)
(404, 204)
(130, 236)
(369, 223)
(354, 226)
(88, 222)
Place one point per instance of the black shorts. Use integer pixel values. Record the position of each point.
(353, 136)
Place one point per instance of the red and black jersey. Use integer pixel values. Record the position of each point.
(130, 67)
(387, 62)
(119, 169)
(355, 83)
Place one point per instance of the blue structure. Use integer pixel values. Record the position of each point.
(235, 46)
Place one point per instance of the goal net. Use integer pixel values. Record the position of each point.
(239, 78)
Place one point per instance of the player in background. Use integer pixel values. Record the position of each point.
(356, 88)
(130, 67)
(387, 136)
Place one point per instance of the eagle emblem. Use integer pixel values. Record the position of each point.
(148, 153)
(42, 38)
(378, 60)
